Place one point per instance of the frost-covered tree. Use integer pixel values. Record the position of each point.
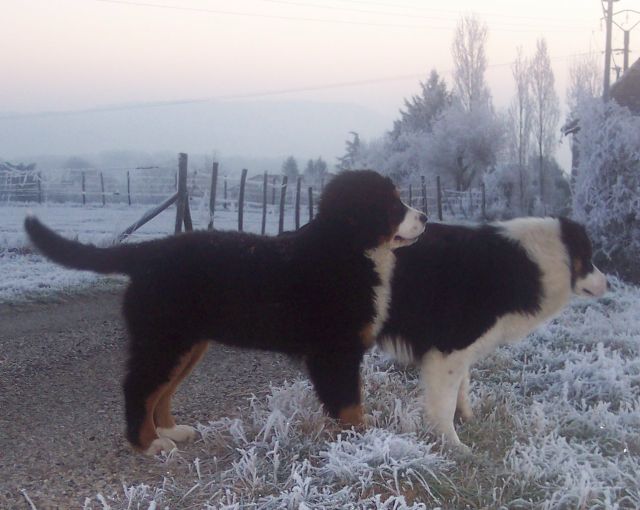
(513, 191)
(546, 109)
(470, 62)
(422, 110)
(290, 169)
(316, 170)
(464, 144)
(585, 80)
(352, 153)
(607, 185)
(519, 124)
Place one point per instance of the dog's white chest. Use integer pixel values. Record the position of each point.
(384, 261)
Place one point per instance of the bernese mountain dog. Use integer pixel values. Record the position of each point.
(460, 291)
(321, 293)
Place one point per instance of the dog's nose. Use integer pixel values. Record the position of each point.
(422, 217)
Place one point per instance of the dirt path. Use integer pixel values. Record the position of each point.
(61, 410)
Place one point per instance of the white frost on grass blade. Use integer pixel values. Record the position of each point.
(558, 426)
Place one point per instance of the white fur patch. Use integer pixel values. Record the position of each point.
(592, 285)
(178, 433)
(162, 444)
(410, 228)
(384, 261)
(398, 349)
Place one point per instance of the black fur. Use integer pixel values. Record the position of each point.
(452, 285)
(578, 244)
(309, 293)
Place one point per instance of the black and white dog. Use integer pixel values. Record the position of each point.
(459, 292)
(321, 293)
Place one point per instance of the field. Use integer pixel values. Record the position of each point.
(557, 415)
(28, 276)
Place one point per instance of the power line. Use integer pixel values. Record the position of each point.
(458, 12)
(401, 14)
(312, 19)
(248, 95)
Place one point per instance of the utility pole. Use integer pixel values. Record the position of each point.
(625, 66)
(607, 52)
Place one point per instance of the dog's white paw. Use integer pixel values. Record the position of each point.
(178, 433)
(465, 414)
(162, 444)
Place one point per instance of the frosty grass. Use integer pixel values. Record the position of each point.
(557, 415)
(557, 426)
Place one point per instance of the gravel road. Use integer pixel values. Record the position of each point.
(61, 408)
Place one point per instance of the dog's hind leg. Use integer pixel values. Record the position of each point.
(463, 405)
(442, 376)
(336, 378)
(164, 421)
(152, 371)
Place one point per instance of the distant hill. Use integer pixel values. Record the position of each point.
(248, 129)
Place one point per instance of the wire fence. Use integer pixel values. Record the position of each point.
(150, 185)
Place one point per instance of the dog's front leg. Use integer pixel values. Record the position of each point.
(442, 377)
(336, 378)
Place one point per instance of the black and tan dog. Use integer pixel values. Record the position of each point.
(321, 293)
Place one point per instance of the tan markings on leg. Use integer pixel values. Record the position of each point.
(148, 429)
(367, 336)
(162, 413)
(352, 416)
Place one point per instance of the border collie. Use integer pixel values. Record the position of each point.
(459, 292)
(321, 293)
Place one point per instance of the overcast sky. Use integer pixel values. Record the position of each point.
(78, 54)
(68, 54)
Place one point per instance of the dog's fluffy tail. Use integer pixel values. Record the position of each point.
(76, 255)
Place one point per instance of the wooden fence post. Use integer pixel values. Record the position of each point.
(425, 209)
(283, 197)
(484, 201)
(212, 194)
(410, 196)
(265, 183)
(224, 204)
(39, 188)
(104, 202)
(273, 191)
(243, 182)
(298, 185)
(84, 197)
(182, 191)
(439, 197)
(310, 204)
(128, 187)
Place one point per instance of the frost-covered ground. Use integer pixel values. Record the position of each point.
(27, 275)
(557, 426)
(558, 415)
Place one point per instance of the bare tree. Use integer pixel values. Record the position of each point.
(520, 118)
(585, 80)
(470, 61)
(546, 109)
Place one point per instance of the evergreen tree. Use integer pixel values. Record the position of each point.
(290, 169)
(316, 170)
(351, 157)
(422, 110)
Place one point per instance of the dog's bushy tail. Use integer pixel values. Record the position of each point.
(75, 255)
